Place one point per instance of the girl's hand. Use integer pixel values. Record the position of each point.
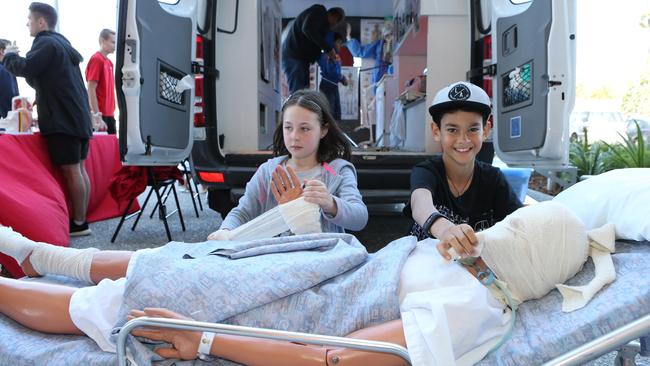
(221, 234)
(184, 343)
(285, 187)
(460, 237)
(316, 192)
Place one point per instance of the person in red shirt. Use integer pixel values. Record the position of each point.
(101, 83)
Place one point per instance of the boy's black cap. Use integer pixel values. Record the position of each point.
(460, 95)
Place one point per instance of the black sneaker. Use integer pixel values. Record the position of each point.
(79, 230)
(4, 272)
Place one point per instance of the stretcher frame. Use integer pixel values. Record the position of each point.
(621, 339)
(306, 338)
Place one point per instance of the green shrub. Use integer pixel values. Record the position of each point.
(586, 157)
(632, 153)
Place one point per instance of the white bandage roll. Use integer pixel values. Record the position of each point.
(266, 225)
(301, 216)
(297, 216)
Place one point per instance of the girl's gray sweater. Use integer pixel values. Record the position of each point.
(341, 181)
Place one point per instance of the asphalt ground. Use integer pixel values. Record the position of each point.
(386, 224)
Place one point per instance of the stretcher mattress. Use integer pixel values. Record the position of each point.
(542, 331)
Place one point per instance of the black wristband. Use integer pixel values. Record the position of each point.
(430, 221)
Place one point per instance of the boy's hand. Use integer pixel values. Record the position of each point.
(344, 81)
(285, 187)
(316, 192)
(460, 237)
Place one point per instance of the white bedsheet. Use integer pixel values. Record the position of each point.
(449, 317)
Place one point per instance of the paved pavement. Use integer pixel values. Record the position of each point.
(386, 223)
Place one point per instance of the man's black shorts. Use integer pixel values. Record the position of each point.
(66, 149)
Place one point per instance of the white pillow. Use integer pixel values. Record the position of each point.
(620, 196)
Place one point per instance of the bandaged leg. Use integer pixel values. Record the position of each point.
(15, 245)
(70, 262)
(601, 243)
(299, 216)
(47, 258)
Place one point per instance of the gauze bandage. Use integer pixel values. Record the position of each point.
(539, 246)
(47, 258)
(601, 244)
(299, 216)
(15, 245)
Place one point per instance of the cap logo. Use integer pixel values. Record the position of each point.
(459, 92)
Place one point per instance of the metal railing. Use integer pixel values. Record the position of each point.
(606, 343)
(359, 344)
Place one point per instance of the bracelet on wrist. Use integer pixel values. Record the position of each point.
(205, 345)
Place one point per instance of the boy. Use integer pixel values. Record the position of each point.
(454, 195)
(330, 71)
(101, 85)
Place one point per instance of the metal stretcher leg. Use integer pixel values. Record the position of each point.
(627, 354)
(645, 346)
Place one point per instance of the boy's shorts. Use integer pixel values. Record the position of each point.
(66, 149)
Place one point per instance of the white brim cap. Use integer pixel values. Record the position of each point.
(460, 95)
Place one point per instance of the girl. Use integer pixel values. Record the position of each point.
(310, 146)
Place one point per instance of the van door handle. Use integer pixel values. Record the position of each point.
(132, 43)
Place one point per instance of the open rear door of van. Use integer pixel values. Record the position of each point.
(533, 45)
(154, 80)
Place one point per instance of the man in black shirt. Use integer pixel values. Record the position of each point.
(304, 42)
(51, 67)
(454, 195)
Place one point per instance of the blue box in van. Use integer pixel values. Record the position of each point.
(518, 180)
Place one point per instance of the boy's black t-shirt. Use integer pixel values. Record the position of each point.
(488, 199)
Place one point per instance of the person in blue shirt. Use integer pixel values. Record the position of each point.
(8, 85)
(378, 49)
(330, 71)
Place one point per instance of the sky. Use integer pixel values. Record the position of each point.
(80, 21)
(611, 47)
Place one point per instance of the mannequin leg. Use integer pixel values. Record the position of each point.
(111, 264)
(254, 352)
(39, 306)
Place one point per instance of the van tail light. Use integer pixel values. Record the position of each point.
(487, 60)
(212, 177)
(199, 115)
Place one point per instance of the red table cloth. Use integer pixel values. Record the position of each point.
(32, 191)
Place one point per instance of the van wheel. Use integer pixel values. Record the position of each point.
(220, 201)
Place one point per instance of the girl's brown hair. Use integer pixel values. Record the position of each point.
(333, 145)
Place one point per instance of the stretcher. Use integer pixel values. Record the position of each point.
(613, 320)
